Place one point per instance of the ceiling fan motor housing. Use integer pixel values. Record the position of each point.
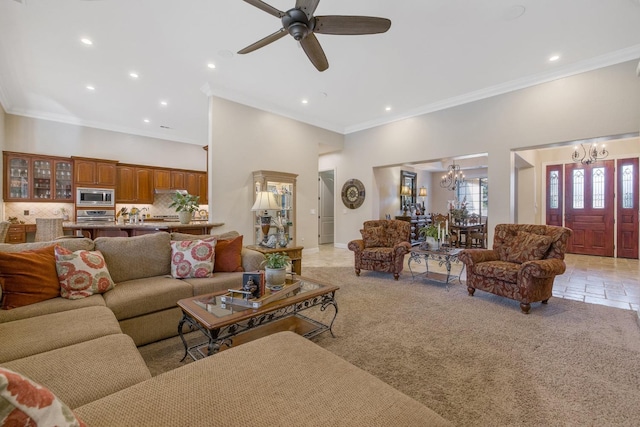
(297, 23)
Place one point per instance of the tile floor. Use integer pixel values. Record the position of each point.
(613, 282)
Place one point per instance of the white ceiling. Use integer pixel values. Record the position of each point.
(438, 53)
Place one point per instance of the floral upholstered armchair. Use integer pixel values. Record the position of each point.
(383, 246)
(522, 265)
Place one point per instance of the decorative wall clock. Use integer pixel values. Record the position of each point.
(353, 193)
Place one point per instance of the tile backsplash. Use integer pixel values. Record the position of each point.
(29, 211)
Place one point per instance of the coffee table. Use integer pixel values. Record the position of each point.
(444, 256)
(228, 324)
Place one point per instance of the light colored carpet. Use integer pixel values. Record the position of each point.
(479, 360)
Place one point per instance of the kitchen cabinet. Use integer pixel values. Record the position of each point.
(94, 172)
(134, 184)
(177, 180)
(192, 184)
(162, 179)
(202, 188)
(17, 233)
(283, 185)
(34, 178)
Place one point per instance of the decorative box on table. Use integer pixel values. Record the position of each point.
(244, 299)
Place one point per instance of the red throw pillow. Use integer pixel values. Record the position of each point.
(228, 255)
(525, 247)
(28, 277)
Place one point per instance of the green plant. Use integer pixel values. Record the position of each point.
(276, 260)
(429, 231)
(185, 202)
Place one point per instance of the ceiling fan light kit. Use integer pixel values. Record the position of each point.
(301, 24)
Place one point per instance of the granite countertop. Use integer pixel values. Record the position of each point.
(160, 225)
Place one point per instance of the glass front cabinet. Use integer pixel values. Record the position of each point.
(37, 178)
(283, 219)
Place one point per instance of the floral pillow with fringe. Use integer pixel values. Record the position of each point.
(81, 273)
(192, 258)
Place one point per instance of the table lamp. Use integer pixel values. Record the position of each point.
(405, 192)
(423, 193)
(265, 201)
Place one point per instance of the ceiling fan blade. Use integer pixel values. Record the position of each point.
(265, 41)
(307, 6)
(351, 25)
(314, 52)
(265, 7)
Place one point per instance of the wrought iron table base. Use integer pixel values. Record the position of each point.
(443, 258)
(224, 335)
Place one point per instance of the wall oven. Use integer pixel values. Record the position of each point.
(95, 197)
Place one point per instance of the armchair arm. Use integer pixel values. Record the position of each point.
(543, 268)
(470, 257)
(356, 245)
(402, 248)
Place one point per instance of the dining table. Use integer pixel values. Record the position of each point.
(464, 230)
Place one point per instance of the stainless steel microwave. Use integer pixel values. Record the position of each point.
(95, 197)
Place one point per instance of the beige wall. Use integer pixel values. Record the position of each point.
(244, 139)
(29, 135)
(597, 103)
(2, 137)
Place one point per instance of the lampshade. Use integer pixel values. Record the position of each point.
(405, 191)
(423, 192)
(265, 200)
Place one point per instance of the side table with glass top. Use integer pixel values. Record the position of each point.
(443, 257)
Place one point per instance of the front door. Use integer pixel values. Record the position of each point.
(589, 208)
(627, 218)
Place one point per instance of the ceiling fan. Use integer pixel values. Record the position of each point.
(301, 24)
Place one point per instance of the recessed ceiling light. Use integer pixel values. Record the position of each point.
(164, 103)
(211, 65)
(86, 41)
(147, 121)
(553, 58)
(387, 109)
(89, 87)
(305, 101)
(133, 75)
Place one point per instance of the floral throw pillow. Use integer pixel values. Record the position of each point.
(525, 247)
(25, 403)
(81, 273)
(374, 237)
(192, 258)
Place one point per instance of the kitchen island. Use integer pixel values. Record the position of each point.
(110, 229)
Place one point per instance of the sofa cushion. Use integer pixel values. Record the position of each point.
(192, 258)
(130, 258)
(33, 335)
(81, 273)
(25, 403)
(501, 270)
(374, 237)
(54, 305)
(28, 277)
(228, 257)
(334, 392)
(87, 371)
(73, 244)
(378, 254)
(217, 282)
(141, 296)
(524, 246)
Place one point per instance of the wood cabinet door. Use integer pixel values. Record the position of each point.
(202, 188)
(144, 185)
(17, 176)
(125, 184)
(191, 183)
(105, 174)
(162, 179)
(177, 180)
(85, 172)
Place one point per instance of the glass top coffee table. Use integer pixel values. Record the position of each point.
(443, 257)
(229, 324)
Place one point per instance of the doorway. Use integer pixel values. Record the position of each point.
(326, 192)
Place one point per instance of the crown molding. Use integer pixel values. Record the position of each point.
(71, 120)
(580, 67)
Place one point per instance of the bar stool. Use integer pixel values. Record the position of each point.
(48, 229)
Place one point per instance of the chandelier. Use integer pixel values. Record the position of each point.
(586, 157)
(453, 178)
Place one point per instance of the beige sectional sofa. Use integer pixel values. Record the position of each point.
(85, 352)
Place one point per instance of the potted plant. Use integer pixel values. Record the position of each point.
(186, 205)
(430, 234)
(275, 269)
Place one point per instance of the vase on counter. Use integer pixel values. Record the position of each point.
(184, 217)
